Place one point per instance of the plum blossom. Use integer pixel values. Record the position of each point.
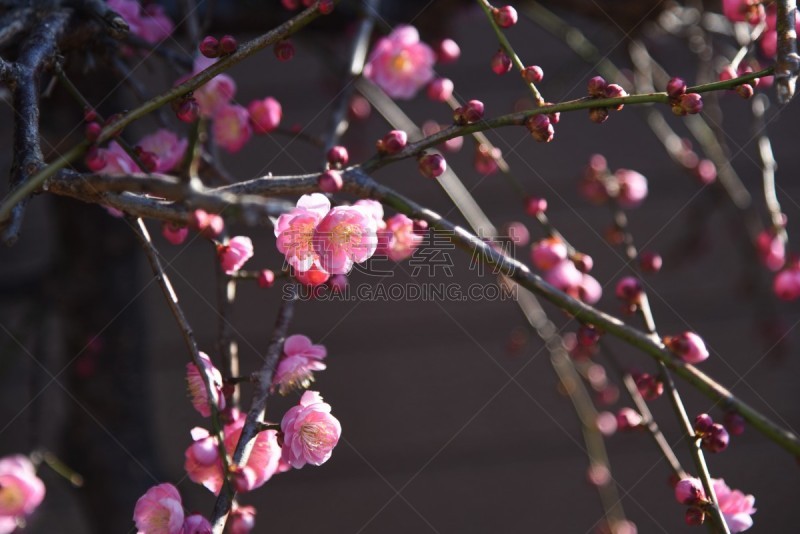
(374, 208)
(196, 524)
(310, 432)
(206, 469)
(21, 491)
(197, 388)
(168, 148)
(313, 277)
(215, 93)
(399, 241)
(159, 511)
(231, 127)
(117, 161)
(345, 236)
(242, 520)
(300, 359)
(400, 64)
(235, 253)
(150, 23)
(736, 507)
(295, 230)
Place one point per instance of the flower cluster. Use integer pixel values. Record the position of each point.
(161, 151)
(317, 238)
(736, 507)
(21, 491)
(160, 511)
(551, 255)
(598, 185)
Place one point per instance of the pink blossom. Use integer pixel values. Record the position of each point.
(235, 253)
(310, 432)
(168, 148)
(374, 209)
(118, 162)
(21, 491)
(159, 511)
(313, 277)
(197, 389)
(242, 520)
(400, 64)
(300, 359)
(346, 235)
(150, 23)
(564, 276)
(548, 252)
(261, 464)
(399, 241)
(632, 188)
(196, 524)
(231, 127)
(735, 506)
(173, 233)
(215, 93)
(295, 230)
(771, 250)
(265, 115)
(786, 284)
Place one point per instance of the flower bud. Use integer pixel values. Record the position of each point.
(628, 419)
(615, 91)
(440, 89)
(325, 7)
(689, 103)
(695, 516)
(734, 423)
(500, 63)
(95, 160)
(703, 423)
(675, 88)
(588, 335)
(629, 289)
(745, 91)
(505, 16)
(583, 262)
(330, 181)
(650, 387)
(209, 47)
(432, 165)
(689, 491)
(188, 110)
(688, 346)
(266, 279)
(540, 128)
(548, 253)
(533, 74)
(338, 156)
(228, 44)
(597, 87)
(598, 115)
(174, 233)
(92, 131)
(786, 284)
(265, 115)
(535, 206)
(284, 50)
(650, 262)
(448, 51)
(392, 142)
(716, 439)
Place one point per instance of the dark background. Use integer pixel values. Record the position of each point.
(444, 428)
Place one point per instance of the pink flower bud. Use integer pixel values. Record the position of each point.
(716, 439)
(313, 277)
(265, 115)
(440, 89)
(727, 73)
(597, 87)
(548, 253)
(284, 50)
(632, 188)
(325, 7)
(587, 335)
(628, 419)
(689, 491)
(228, 44)
(174, 233)
(675, 88)
(629, 289)
(734, 423)
(650, 262)
(242, 520)
(95, 159)
(205, 451)
(505, 16)
(786, 284)
(338, 156)
(771, 249)
(590, 291)
(518, 233)
(706, 171)
(615, 91)
(330, 181)
(432, 165)
(689, 103)
(745, 91)
(486, 159)
(650, 387)
(448, 51)
(188, 110)
(535, 206)
(533, 74)
(209, 47)
(564, 276)
(290, 5)
(500, 63)
(703, 423)
(92, 131)
(540, 127)
(688, 346)
(266, 279)
(470, 112)
(393, 142)
(89, 114)
(606, 423)
(243, 479)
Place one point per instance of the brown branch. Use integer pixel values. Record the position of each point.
(37, 53)
(258, 406)
(116, 25)
(787, 65)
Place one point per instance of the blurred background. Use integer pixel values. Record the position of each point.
(451, 414)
